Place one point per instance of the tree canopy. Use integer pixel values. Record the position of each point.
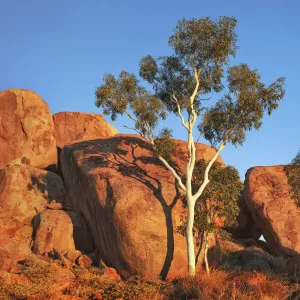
(202, 49)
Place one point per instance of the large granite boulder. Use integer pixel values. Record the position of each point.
(268, 195)
(73, 126)
(26, 129)
(24, 192)
(131, 203)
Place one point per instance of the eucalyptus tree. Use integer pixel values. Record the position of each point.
(180, 84)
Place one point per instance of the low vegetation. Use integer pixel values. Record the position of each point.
(38, 278)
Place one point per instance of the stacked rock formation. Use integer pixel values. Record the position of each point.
(72, 188)
(121, 205)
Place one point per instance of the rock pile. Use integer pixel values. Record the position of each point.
(111, 202)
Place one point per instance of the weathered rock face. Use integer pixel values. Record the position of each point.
(52, 229)
(15, 243)
(24, 191)
(269, 197)
(246, 227)
(73, 126)
(130, 202)
(62, 231)
(26, 129)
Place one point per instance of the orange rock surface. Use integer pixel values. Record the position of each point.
(26, 129)
(24, 192)
(130, 202)
(74, 126)
(269, 198)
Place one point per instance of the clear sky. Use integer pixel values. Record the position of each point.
(61, 49)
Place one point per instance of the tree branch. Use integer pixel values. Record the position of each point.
(192, 98)
(167, 165)
(130, 116)
(179, 112)
(206, 180)
(173, 172)
(130, 128)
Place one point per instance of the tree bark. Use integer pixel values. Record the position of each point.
(190, 205)
(190, 237)
(205, 252)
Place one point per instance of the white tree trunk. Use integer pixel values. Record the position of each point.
(190, 205)
(190, 237)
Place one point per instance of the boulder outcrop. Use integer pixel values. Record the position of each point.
(15, 243)
(52, 229)
(268, 195)
(62, 231)
(26, 129)
(131, 203)
(24, 192)
(74, 126)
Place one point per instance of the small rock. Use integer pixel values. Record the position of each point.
(111, 273)
(73, 255)
(84, 261)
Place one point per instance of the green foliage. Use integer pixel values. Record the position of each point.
(293, 173)
(115, 95)
(218, 199)
(242, 108)
(164, 145)
(201, 52)
(200, 44)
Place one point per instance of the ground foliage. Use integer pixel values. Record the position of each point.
(45, 282)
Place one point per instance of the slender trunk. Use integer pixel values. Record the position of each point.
(206, 251)
(190, 237)
(190, 205)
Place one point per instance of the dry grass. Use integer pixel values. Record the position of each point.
(51, 279)
(221, 284)
(43, 279)
(90, 282)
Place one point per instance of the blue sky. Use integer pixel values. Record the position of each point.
(61, 49)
